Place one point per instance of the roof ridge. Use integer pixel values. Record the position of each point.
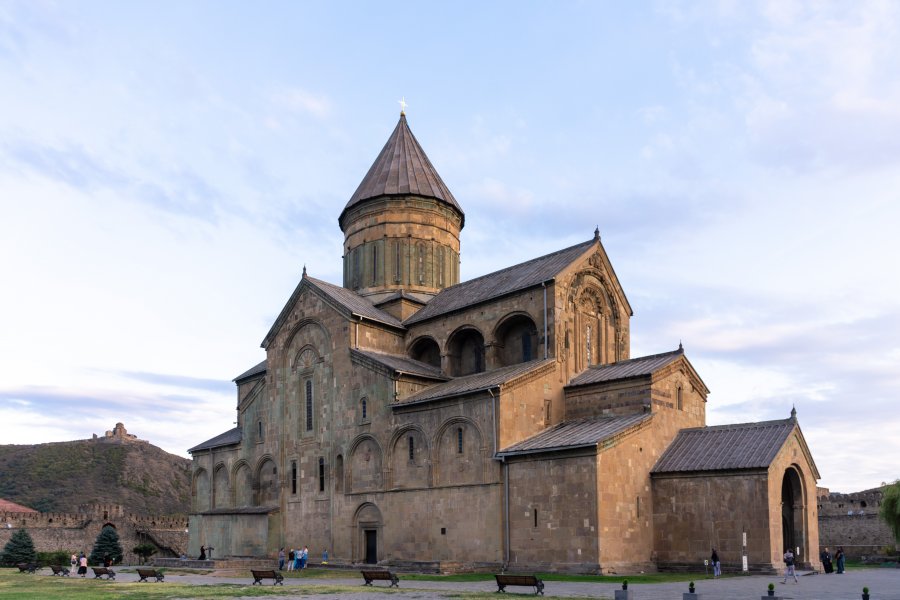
(747, 425)
(524, 262)
(637, 358)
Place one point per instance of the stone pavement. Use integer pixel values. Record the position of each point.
(883, 583)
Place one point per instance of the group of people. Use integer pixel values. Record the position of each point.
(827, 562)
(296, 559)
(79, 562)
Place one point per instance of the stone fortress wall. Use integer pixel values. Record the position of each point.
(76, 532)
(852, 521)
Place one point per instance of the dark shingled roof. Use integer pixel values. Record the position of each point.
(403, 364)
(499, 283)
(355, 303)
(725, 447)
(230, 437)
(624, 369)
(402, 168)
(258, 369)
(580, 433)
(478, 382)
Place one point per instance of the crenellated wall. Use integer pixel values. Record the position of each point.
(76, 532)
(852, 521)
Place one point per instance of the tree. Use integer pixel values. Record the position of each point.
(19, 549)
(890, 507)
(145, 551)
(107, 544)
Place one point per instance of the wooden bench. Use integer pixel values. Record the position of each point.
(144, 574)
(504, 580)
(99, 572)
(258, 576)
(380, 575)
(61, 571)
(27, 567)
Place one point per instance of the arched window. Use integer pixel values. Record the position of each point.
(459, 440)
(363, 408)
(356, 276)
(679, 398)
(374, 263)
(588, 350)
(411, 448)
(309, 405)
(440, 252)
(397, 261)
(420, 263)
(321, 474)
(293, 476)
(259, 431)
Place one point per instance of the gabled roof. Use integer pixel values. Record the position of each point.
(8, 506)
(229, 438)
(478, 382)
(500, 283)
(580, 433)
(252, 372)
(355, 303)
(345, 299)
(402, 364)
(402, 168)
(626, 369)
(725, 447)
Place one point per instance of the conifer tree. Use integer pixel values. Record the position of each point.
(19, 549)
(107, 544)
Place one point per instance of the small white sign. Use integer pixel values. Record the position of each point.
(706, 563)
(745, 539)
(746, 567)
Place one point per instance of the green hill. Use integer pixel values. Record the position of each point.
(61, 476)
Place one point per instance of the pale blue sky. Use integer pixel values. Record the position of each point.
(167, 168)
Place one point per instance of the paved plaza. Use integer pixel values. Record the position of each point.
(884, 584)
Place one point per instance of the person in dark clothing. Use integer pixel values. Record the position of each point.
(716, 565)
(839, 559)
(202, 552)
(826, 561)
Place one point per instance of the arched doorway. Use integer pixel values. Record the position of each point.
(367, 524)
(793, 508)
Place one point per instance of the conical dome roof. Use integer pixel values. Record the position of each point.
(402, 168)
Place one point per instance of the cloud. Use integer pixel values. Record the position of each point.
(302, 101)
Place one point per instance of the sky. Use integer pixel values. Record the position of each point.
(168, 168)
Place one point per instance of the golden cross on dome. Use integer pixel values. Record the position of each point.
(403, 106)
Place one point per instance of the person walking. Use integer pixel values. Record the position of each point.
(716, 565)
(281, 559)
(82, 565)
(304, 556)
(202, 552)
(74, 562)
(291, 560)
(297, 555)
(789, 566)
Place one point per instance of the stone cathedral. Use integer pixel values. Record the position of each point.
(406, 418)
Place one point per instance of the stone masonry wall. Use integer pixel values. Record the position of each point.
(76, 532)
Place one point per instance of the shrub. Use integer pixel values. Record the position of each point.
(57, 557)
